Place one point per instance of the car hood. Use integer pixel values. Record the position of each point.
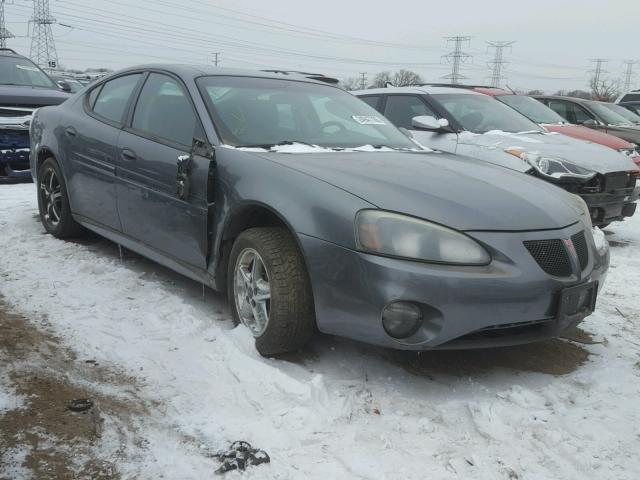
(584, 133)
(588, 155)
(23, 96)
(452, 190)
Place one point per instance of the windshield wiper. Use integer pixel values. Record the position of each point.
(269, 146)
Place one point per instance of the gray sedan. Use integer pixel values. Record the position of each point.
(312, 211)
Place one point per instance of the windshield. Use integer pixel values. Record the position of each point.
(532, 109)
(20, 71)
(607, 115)
(250, 111)
(623, 112)
(482, 114)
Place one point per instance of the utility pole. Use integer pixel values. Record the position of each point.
(628, 74)
(4, 33)
(498, 64)
(363, 80)
(216, 56)
(456, 58)
(43, 48)
(598, 71)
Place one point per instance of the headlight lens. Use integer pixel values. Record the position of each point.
(553, 167)
(392, 234)
(585, 209)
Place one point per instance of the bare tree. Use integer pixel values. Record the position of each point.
(406, 77)
(535, 92)
(351, 83)
(576, 93)
(605, 90)
(381, 79)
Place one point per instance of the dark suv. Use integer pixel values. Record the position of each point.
(23, 88)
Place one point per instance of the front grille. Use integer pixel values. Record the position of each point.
(13, 140)
(551, 255)
(582, 250)
(12, 112)
(617, 180)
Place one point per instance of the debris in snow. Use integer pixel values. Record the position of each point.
(239, 456)
(80, 405)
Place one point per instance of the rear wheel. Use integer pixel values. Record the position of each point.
(269, 290)
(53, 202)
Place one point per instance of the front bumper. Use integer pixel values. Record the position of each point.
(510, 301)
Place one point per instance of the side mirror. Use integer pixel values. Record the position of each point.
(64, 86)
(427, 122)
(590, 123)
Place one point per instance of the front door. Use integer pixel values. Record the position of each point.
(160, 131)
(400, 110)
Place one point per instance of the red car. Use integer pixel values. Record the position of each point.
(543, 115)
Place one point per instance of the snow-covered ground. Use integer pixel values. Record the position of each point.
(557, 410)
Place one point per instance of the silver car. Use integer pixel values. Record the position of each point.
(461, 121)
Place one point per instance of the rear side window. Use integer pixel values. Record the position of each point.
(164, 111)
(372, 101)
(580, 115)
(562, 109)
(113, 98)
(93, 94)
(401, 109)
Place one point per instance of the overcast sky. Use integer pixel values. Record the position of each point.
(555, 39)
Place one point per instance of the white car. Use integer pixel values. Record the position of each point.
(461, 121)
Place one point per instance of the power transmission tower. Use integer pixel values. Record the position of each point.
(628, 74)
(456, 58)
(363, 80)
(598, 71)
(216, 57)
(43, 48)
(4, 33)
(498, 64)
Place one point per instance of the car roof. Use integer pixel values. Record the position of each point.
(9, 52)
(417, 89)
(564, 97)
(195, 71)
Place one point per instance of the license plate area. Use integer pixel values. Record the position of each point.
(577, 301)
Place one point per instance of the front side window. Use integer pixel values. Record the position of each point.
(401, 109)
(114, 97)
(164, 111)
(580, 115)
(251, 111)
(20, 71)
(482, 114)
(532, 109)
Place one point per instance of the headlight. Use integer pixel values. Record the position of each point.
(553, 167)
(602, 244)
(585, 210)
(395, 235)
(630, 152)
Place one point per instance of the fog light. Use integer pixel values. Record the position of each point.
(401, 319)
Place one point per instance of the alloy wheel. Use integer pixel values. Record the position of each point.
(252, 291)
(51, 196)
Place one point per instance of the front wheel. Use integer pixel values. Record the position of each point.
(53, 202)
(269, 290)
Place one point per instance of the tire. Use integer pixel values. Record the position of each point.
(53, 202)
(290, 320)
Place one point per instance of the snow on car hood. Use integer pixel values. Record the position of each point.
(455, 191)
(588, 155)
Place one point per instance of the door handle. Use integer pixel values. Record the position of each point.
(128, 155)
(71, 132)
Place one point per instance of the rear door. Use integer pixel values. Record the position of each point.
(160, 130)
(90, 135)
(400, 110)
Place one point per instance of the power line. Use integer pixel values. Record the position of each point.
(43, 48)
(498, 64)
(628, 74)
(216, 56)
(457, 57)
(4, 33)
